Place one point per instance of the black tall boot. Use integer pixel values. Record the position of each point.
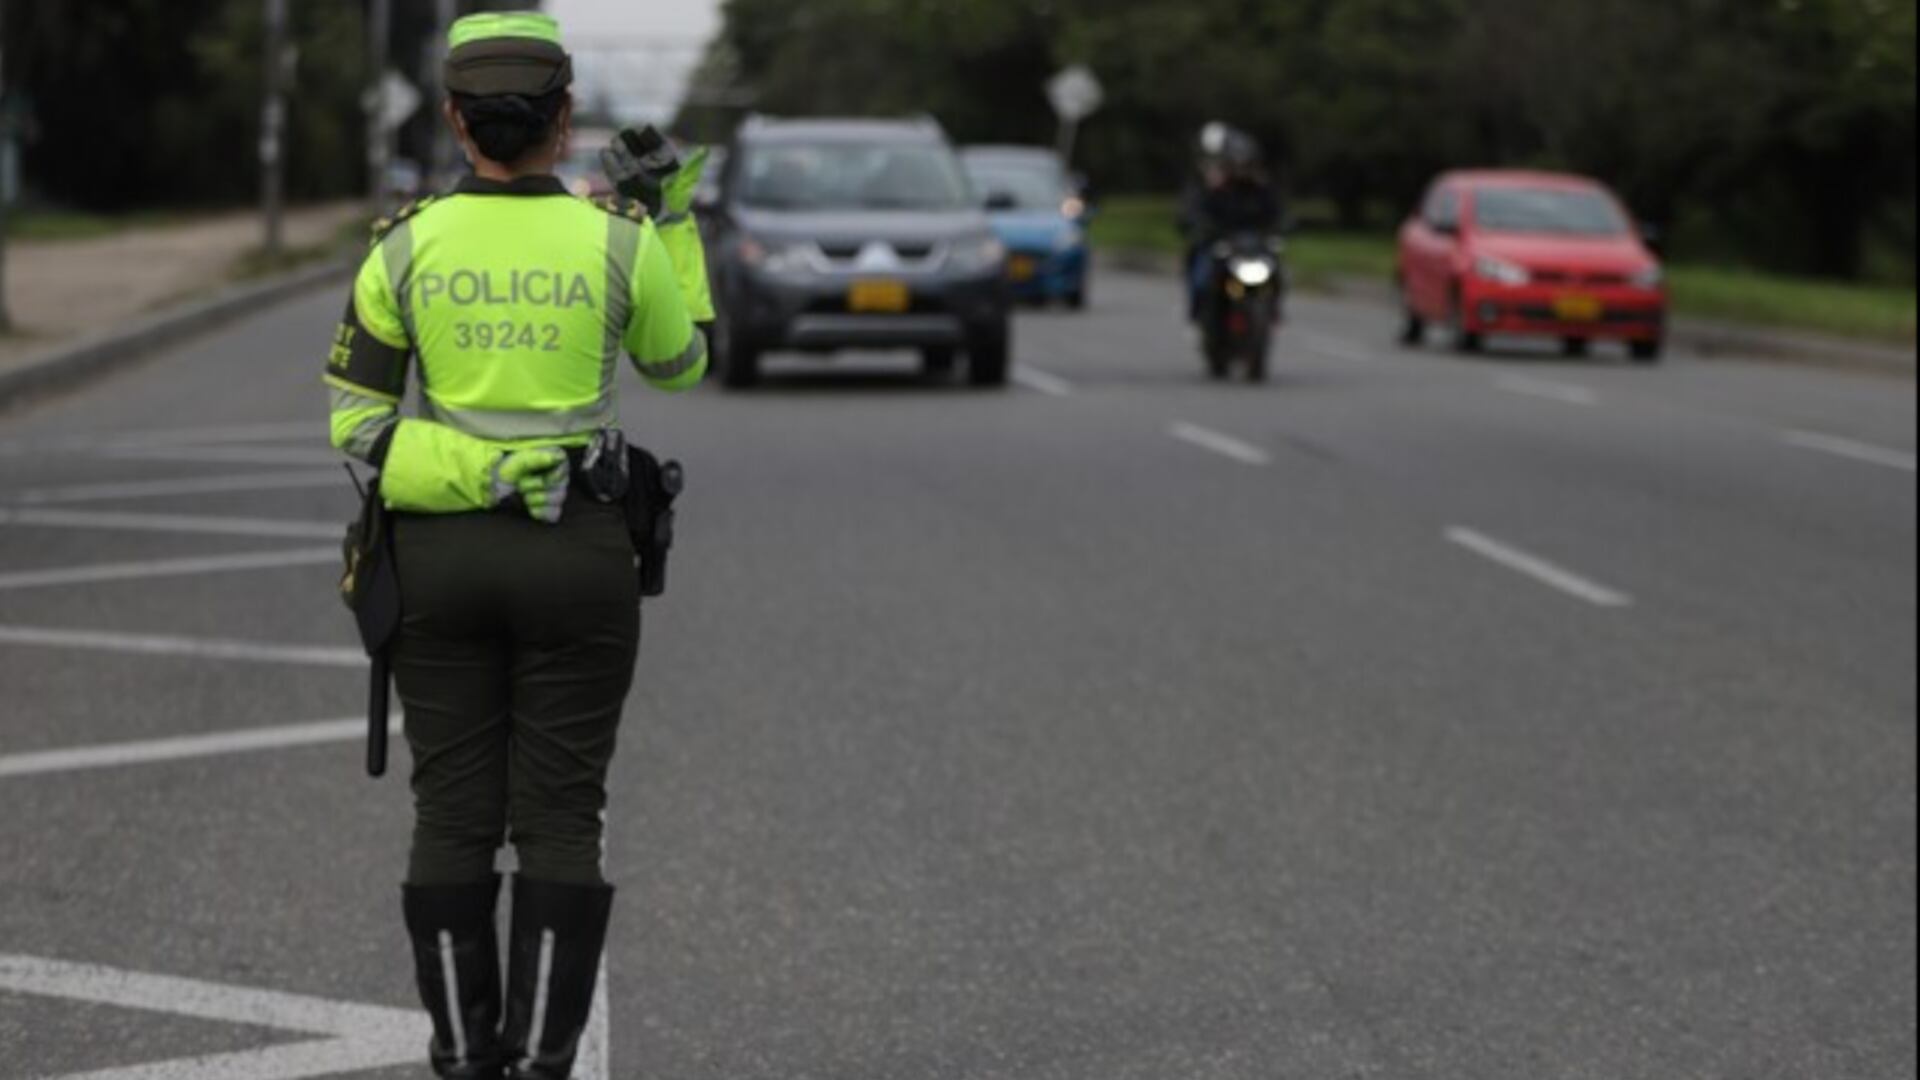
(456, 958)
(553, 961)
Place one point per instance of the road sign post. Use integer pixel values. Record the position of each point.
(273, 114)
(7, 163)
(379, 133)
(1075, 94)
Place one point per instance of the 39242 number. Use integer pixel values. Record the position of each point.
(507, 334)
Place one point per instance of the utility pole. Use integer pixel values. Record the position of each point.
(379, 137)
(443, 148)
(273, 117)
(7, 169)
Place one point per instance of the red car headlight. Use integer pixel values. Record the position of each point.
(1500, 271)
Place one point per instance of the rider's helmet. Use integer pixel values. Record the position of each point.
(1240, 155)
(1213, 140)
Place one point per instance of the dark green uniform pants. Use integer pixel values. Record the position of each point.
(514, 656)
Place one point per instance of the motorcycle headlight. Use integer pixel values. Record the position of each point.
(978, 253)
(1648, 278)
(1252, 273)
(1500, 271)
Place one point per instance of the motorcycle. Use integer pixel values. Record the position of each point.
(1245, 293)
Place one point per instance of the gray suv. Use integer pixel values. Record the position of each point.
(853, 234)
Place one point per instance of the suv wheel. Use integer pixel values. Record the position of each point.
(987, 359)
(937, 361)
(739, 360)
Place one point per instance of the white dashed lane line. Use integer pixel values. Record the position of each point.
(1537, 568)
(1851, 449)
(1034, 379)
(1548, 390)
(1219, 443)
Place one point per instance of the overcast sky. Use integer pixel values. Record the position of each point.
(667, 18)
(638, 52)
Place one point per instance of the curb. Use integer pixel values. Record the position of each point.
(1709, 338)
(68, 365)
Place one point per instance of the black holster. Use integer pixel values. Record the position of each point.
(371, 589)
(652, 487)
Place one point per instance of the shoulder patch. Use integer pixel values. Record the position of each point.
(392, 221)
(621, 206)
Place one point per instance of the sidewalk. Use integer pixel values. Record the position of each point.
(59, 291)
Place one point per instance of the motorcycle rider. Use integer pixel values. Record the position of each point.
(1235, 196)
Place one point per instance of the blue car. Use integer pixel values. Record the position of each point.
(1042, 219)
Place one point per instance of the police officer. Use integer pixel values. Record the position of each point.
(511, 300)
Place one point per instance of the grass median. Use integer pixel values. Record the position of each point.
(1319, 257)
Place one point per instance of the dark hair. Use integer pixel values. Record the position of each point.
(506, 126)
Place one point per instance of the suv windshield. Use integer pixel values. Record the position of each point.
(1031, 185)
(852, 176)
(1546, 210)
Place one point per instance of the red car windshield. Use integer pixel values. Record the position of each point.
(1546, 210)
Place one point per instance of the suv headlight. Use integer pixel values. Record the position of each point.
(1647, 278)
(776, 258)
(1500, 271)
(1066, 240)
(977, 253)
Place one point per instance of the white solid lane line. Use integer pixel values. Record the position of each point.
(192, 485)
(173, 523)
(351, 1037)
(272, 431)
(228, 455)
(1225, 445)
(158, 568)
(1548, 389)
(1851, 449)
(596, 1043)
(1538, 569)
(1034, 379)
(171, 645)
(281, 431)
(185, 747)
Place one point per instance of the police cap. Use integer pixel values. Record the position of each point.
(508, 52)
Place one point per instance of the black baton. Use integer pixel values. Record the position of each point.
(377, 717)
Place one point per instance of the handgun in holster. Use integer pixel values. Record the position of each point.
(655, 485)
(371, 589)
(615, 470)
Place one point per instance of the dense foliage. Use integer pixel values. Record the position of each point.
(141, 103)
(1776, 132)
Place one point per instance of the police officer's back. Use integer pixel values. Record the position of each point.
(507, 305)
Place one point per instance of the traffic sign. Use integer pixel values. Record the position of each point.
(398, 100)
(1076, 93)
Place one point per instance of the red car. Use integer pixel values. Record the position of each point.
(1543, 254)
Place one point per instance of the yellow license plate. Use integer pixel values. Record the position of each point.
(1577, 308)
(1022, 269)
(879, 297)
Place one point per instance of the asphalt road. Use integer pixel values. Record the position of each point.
(1415, 716)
